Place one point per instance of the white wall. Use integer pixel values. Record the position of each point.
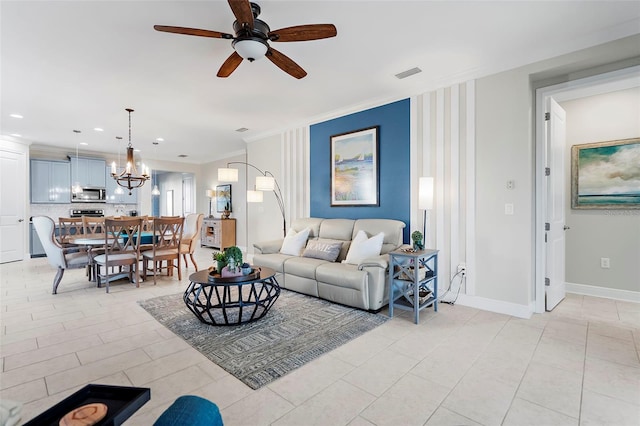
(594, 234)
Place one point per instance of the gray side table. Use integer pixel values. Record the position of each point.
(406, 281)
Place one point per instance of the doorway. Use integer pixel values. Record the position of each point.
(591, 86)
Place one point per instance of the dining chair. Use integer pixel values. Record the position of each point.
(167, 233)
(69, 227)
(121, 248)
(58, 256)
(93, 225)
(191, 237)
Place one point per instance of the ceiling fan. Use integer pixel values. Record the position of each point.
(252, 38)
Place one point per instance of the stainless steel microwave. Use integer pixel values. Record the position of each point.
(89, 195)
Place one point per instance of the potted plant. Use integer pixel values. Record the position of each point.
(234, 257)
(221, 260)
(417, 240)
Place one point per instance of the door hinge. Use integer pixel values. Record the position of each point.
(547, 116)
(547, 226)
(547, 171)
(547, 282)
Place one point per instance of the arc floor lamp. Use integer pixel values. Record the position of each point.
(265, 182)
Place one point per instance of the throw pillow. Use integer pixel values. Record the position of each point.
(324, 250)
(363, 247)
(294, 242)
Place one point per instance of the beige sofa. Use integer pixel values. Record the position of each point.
(363, 286)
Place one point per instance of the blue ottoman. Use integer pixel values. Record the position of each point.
(190, 410)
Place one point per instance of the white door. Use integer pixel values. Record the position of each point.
(13, 175)
(555, 188)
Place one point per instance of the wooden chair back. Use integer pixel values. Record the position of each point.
(93, 225)
(121, 235)
(69, 227)
(167, 232)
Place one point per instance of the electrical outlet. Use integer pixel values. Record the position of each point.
(462, 268)
(604, 263)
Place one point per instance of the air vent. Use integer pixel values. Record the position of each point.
(182, 156)
(408, 73)
(241, 129)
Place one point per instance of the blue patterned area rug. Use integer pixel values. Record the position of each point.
(296, 330)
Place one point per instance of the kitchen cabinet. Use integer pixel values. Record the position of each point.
(50, 181)
(124, 198)
(88, 172)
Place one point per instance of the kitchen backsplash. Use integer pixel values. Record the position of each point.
(55, 211)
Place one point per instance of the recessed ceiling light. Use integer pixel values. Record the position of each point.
(16, 135)
(160, 139)
(84, 143)
(15, 116)
(98, 129)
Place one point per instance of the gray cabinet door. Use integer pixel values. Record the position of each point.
(88, 172)
(50, 182)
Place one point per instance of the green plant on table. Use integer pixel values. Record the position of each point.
(416, 236)
(220, 258)
(234, 253)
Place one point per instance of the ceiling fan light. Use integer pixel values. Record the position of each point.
(250, 49)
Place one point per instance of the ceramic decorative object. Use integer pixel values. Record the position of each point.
(418, 243)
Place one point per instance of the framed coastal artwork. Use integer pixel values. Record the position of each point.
(606, 175)
(223, 198)
(355, 168)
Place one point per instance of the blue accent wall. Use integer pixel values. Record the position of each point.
(394, 139)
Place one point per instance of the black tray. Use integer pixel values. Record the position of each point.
(121, 402)
(215, 277)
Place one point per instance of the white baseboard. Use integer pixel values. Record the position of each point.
(500, 307)
(609, 293)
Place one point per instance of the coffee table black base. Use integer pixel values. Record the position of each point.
(231, 303)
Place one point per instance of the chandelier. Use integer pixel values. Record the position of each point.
(129, 178)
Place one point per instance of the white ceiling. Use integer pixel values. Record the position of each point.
(78, 64)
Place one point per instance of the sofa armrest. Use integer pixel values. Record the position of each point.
(375, 262)
(268, 247)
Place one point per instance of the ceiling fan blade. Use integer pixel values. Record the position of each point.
(285, 63)
(230, 65)
(192, 31)
(304, 32)
(242, 11)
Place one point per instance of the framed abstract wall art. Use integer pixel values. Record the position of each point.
(355, 168)
(606, 175)
(223, 198)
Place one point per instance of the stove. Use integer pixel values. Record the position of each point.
(87, 212)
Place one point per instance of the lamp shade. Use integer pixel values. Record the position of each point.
(425, 193)
(254, 196)
(211, 193)
(227, 175)
(265, 183)
(251, 49)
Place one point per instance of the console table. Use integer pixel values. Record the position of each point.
(218, 233)
(411, 272)
(233, 300)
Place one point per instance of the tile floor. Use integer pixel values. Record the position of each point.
(576, 366)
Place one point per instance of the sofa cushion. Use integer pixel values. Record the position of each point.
(392, 231)
(294, 242)
(302, 266)
(363, 247)
(341, 275)
(274, 261)
(322, 249)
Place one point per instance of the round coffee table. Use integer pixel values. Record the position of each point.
(234, 300)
